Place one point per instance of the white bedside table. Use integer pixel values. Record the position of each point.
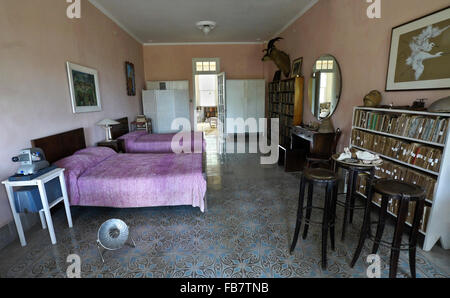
(46, 218)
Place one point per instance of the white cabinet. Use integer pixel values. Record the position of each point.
(167, 85)
(245, 99)
(164, 106)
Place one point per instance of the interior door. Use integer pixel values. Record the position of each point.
(221, 105)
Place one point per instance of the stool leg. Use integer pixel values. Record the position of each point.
(365, 228)
(309, 209)
(352, 196)
(381, 224)
(395, 251)
(333, 215)
(347, 201)
(418, 213)
(299, 214)
(325, 222)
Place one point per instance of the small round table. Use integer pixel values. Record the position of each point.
(354, 170)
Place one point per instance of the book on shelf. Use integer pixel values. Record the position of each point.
(427, 128)
(422, 156)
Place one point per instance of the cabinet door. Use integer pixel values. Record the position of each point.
(236, 103)
(149, 107)
(255, 96)
(165, 110)
(181, 106)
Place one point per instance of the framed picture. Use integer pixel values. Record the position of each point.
(420, 54)
(297, 67)
(84, 90)
(131, 80)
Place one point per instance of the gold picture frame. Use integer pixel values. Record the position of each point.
(418, 58)
(297, 67)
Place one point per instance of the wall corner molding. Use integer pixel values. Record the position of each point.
(298, 16)
(112, 18)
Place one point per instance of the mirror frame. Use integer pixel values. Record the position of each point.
(310, 87)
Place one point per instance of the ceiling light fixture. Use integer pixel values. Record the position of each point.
(206, 26)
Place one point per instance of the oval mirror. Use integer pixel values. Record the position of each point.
(325, 87)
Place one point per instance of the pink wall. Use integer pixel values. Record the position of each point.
(361, 46)
(174, 62)
(36, 39)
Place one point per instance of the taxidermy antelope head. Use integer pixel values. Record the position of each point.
(280, 58)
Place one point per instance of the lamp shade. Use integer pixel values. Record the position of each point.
(107, 122)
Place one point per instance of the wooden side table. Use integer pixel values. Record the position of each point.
(116, 145)
(45, 215)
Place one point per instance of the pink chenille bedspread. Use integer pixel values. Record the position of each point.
(142, 180)
(142, 142)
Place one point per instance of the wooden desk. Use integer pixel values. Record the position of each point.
(305, 142)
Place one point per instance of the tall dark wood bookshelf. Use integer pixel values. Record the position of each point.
(286, 104)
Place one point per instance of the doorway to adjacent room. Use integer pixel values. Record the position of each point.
(210, 111)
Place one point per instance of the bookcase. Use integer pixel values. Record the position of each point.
(286, 104)
(415, 148)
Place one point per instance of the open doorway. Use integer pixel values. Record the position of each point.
(209, 103)
(206, 87)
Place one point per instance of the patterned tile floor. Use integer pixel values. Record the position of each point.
(246, 232)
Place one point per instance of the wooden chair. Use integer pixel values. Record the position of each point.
(324, 159)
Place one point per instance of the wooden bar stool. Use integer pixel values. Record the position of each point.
(321, 177)
(354, 170)
(404, 193)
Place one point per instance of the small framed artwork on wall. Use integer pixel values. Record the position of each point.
(297, 67)
(131, 80)
(419, 57)
(84, 88)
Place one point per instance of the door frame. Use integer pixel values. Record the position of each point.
(224, 91)
(194, 74)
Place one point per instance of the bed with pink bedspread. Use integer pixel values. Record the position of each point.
(143, 142)
(98, 176)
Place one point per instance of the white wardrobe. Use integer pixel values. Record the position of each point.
(245, 99)
(163, 106)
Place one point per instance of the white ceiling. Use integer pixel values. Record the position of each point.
(173, 21)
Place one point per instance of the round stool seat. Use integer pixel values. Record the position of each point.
(398, 189)
(318, 175)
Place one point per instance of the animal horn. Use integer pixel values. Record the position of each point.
(272, 42)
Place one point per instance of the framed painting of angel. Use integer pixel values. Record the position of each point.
(420, 54)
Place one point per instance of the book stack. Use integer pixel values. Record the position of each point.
(283, 104)
(425, 157)
(274, 87)
(287, 98)
(287, 85)
(420, 127)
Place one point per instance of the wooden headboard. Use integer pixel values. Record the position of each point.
(120, 129)
(61, 145)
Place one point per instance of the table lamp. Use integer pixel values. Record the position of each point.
(106, 124)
